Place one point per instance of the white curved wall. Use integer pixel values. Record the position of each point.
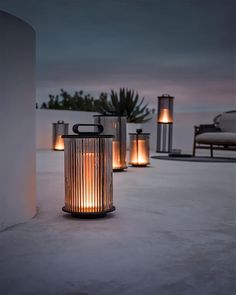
(17, 121)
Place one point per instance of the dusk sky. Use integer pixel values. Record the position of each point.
(182, 47)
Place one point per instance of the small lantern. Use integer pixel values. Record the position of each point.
(88, 173)
(165, 123)
(139, 148)
(115, 125)
(60, 128)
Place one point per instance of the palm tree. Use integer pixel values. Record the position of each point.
(126, 103)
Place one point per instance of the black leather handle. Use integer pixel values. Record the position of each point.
(75, 129)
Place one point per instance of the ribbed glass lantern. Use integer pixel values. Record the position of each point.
(115, 125)
(139, 148)
(88, 173)
(165, 123)
(58, 129)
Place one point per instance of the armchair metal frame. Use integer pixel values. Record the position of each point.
(208, 128)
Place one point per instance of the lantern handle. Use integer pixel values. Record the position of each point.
(139, 131)
(100, 129)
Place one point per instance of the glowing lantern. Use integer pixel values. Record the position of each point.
(115, 125)
(139, 148)
(165, 123)
(165, 116)
(60, 128)
(88, 173)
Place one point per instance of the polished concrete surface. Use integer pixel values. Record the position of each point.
(173, 233)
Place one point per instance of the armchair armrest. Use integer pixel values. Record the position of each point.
(205, 128)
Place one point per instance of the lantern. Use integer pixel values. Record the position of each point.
(165, 123)
(88, 173)
(115, 125)
(60, 128)
(139, 148)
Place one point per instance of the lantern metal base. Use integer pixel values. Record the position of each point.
(89, 214)
(164, 137)
(139, 165)
(56, 150)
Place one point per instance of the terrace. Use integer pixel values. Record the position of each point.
(172, 233)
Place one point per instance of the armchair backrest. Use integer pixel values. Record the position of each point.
(226, 121)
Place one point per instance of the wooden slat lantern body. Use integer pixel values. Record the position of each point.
(58, 130)
(115, 125)
(165, 123)
(88, 173)
(139, 148)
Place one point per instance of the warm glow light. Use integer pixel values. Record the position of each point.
(139, 154)
(90, 199)
(85, 196)
(165, 116)
(59, 143)
(116, 161)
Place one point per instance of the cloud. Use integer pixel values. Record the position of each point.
(185, 48)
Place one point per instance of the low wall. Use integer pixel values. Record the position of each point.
(182, 131)
(45, 118)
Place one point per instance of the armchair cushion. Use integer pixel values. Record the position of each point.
(227, 122)
(217, 138)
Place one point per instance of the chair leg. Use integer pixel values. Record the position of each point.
(194, 149)
(211, 148)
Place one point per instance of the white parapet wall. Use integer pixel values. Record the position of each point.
(17, 121)
(182, 129)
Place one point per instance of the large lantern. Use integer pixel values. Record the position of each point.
(88, 173)
(58, 129)
(165, 123)
(139, 148)
(115, 125)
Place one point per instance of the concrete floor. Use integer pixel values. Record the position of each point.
(172, 234)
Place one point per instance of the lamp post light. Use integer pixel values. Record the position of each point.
(139, 148)
(115, 125)
(58, 129)
(88, 173)
(165, 123)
